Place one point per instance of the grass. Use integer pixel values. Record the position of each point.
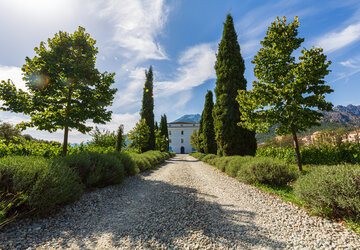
(286, 193)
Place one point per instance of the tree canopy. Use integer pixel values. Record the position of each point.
(65, 90)
(287, 92)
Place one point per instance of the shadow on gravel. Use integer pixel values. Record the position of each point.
(150, 212)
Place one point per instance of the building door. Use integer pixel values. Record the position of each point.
(182, 149)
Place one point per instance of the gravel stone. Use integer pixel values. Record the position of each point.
(184, 204)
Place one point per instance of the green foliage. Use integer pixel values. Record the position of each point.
(331, 190)
(96, 169)
(208, 142)
(104, 138)
(164, 133)
(286, 193)
(267, 171)
(147, 110)
(210, 158)
(120, 142)
(195, 140)
(235, 163)
(231, 139)
(287, 91)
(198, 155)
(324, 155)
(36, 184)
(150, 159)
(161, 142)
(47, 150)
(139, 136)
(65, 90)
(8, 132)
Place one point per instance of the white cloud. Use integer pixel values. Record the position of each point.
(137, 23)
(132, 93)
(196, 67)
(13, 73)
(353, 63)
(333, 41)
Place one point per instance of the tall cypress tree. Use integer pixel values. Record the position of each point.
(164, 130)
(147, 110)
(208, 131)
(230, 67)
(200, 134)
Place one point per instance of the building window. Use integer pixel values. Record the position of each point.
(169, 132)
(182, 140)
(193, 125)
(169, 140)
(182, 132)
(181, 125)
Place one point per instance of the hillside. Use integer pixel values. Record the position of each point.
(189, 118)
(341, 116)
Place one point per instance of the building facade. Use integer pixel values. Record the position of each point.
(179, 136)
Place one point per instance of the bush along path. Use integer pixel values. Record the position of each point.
(34, 185)
(183, 204)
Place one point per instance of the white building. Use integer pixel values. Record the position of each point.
(179, 136)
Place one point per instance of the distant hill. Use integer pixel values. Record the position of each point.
(341, 116)
(189, 118)
(349, 114)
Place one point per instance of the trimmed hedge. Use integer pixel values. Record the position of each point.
(43, 184)
(38, 185)
(331, 190)
(95, 169)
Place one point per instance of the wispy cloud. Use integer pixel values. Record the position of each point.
(196, 67)
(336, 40)
(136, 25)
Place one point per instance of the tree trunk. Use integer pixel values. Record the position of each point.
(297, 151)
(66, 131)
(65, 143)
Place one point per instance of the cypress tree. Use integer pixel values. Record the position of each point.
(120, 138)
(164, 130)
(200, 134)
(231, 138)
(208, 131)
(147, 110)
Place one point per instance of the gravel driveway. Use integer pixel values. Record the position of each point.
(184, 204)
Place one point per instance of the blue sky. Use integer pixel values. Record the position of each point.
(179, 38)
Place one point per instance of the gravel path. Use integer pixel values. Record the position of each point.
(184, 204)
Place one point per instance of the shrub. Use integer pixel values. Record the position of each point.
(234, 163)
(96, 169)
(141, 162)
(331, 190)
(197, 155)
(36, 184)
(210, 158)
(129, 164)
(266, 171)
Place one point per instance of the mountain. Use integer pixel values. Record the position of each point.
(341, 116)
(349, 115)
(189, 118)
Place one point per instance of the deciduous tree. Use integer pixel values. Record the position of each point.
(139, 136)
(287, 91)
(65, 90)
